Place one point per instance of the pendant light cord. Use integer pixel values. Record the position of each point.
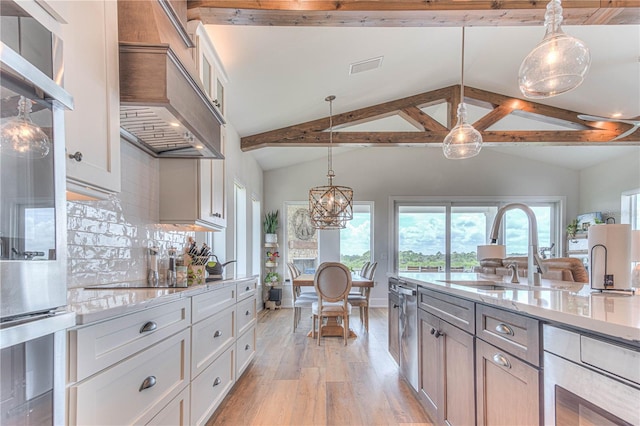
(462, 70)
(330, 172)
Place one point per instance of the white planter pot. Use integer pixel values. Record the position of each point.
(270, 238)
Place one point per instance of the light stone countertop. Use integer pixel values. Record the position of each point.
(97, 304)
(573, 304)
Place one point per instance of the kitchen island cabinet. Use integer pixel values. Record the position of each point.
(446, 356)
(504, 338)
(158, 356)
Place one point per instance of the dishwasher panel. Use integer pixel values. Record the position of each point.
(408, 297)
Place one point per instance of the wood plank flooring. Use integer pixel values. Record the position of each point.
(292, 381)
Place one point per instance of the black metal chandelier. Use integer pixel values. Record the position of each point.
(330, 206)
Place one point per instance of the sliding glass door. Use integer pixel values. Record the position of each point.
(443, 236)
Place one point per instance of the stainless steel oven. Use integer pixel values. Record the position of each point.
(589, 380)
(33, 287)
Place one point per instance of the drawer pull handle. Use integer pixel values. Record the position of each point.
(501, 360)
(148, 326)
(218, 333)
(217, 381)
(247, 347)
(247, 313)
(504, 329)
(149, 382)
(433, 330)
(247, 289)
(395, 306)
(438, 333)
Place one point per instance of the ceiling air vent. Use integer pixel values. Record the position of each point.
(362, 66)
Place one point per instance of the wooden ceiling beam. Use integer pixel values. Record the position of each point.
(408, 13)
(491, 138)
(430, 131)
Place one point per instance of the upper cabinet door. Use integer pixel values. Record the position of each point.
(92, 77)
(208, 65)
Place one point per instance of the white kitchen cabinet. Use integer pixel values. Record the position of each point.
(135, 390)
(192, 192)
(175, 413)
(92, 129)
(211, 337)
(208, 65)
(210, 387)
(97, 346)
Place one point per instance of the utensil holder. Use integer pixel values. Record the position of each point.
(196, 274)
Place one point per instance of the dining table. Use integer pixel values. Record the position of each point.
(333, 328)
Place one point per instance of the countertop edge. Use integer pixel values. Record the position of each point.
(93, 305)
(627, 333)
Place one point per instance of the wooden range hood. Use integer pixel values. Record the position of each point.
(163, 108)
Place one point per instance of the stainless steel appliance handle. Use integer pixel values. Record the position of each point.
(406, 291)
(29, 329)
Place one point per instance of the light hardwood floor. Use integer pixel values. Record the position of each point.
(292, 381)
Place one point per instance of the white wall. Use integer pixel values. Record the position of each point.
(243, 168)
(375, 174)
(601, 185)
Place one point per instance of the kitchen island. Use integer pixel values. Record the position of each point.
(479, 335)
(158, 355)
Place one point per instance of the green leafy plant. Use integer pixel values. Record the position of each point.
(272, 278)
(270, 224)
(572, 228)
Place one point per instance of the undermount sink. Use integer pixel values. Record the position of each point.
(496, 286)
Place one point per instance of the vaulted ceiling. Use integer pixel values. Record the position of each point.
(284, 57)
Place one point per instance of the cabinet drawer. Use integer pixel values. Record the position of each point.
(245, 350)
(96, 347)
(132, 391)
(508, 391)
(516, 334)
(456, 311)
(210, 338)
(246, 315)
(246, 289)
(209, 388)
(175, 413)
(206, 304)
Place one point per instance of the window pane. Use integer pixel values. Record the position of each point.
(421, 238)
(516, 230)
(355, 239)
(468, 231)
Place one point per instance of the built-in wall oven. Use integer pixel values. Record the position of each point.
(589, 380)
(33, 289)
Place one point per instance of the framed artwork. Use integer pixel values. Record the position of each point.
(585, 220)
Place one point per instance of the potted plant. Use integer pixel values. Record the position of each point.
(572, 228)
(270, 226)
(272, 278)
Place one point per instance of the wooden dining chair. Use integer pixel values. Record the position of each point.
(361, 298)
(300, 300)
(332, 283)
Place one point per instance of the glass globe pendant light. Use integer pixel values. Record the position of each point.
(463, 141)
(558, 64)
(21, 138)
(330, 206)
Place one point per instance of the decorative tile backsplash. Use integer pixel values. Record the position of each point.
(108, 240)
